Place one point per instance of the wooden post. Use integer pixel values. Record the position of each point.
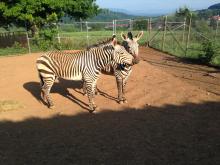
(58, 34)
(164, 32)
(81, 26)
(216, 30)
(28, 43)
(131, 25)
(113, 27)
(87, 33)
(184, 29)
(188, 35)
(149, 31)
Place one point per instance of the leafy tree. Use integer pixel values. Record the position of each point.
(34, 14)
(140, 25)
(183, 12)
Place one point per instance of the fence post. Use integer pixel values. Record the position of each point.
(216, 30)
(28, 43)
(149, 31)
(58, 34)
(164, 32)
(81, 26)
(188, 35)
(131, 24)
(184, 29)
(113, 26)
(87, 33)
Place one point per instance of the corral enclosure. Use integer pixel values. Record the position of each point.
(172, 115)
(187, 38)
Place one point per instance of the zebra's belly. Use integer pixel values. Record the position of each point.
(74, 77)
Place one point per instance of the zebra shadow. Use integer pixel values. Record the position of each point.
(60, 87)
(107, 95)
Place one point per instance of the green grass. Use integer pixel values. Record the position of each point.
(12, 51)
(9, 105)
(79, 40)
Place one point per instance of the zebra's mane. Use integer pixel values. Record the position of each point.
(101, 43)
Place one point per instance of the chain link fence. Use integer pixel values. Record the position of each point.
(183, 37)
(188, 38)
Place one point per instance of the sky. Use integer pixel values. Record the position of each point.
(155, 6)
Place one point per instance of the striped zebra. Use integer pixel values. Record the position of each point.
(84, 65)
(121, 72)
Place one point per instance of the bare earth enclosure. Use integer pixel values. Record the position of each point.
(172, 116)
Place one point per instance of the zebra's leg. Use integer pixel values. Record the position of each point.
(90, 88)
(119, 86)
(123, 91)
(84, 89)
(85, 92)
(48, 83)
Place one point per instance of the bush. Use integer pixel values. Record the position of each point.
(209, 52)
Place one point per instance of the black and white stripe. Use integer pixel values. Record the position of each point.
(84, 65)
(121, 72)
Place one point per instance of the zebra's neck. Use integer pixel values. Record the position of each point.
(103, 57)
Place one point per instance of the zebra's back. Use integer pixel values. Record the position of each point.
(60, 64)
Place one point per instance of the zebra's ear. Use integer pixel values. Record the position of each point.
(114, 41)
(113, 37)
(130, 35)
(139, 35)
(123, 36)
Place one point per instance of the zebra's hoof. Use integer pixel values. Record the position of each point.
(121, 102)
(97, 93)
(97, 108)
(91, 111)
(52, 106)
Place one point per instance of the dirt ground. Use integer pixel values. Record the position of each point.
(172, 116)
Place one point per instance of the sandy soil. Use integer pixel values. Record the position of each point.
(172, 116)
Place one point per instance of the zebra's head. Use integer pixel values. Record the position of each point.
(120, 55)
(130, 43)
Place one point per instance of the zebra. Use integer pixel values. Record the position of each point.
(85, 65)
(121, 72)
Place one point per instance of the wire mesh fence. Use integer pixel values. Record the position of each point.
(183, 37)
(186, 37)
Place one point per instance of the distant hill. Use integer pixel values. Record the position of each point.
(108, 15)
(215, 6)
(210, 12)
(105, 15)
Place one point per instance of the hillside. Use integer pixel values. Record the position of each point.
(108, 15)
(215, 6)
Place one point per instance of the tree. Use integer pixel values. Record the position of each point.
(34, 14)
(183, 12)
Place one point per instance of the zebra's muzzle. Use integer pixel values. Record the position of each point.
(135, 61)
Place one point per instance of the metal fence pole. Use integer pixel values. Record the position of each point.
(188, 35)
(87, 33)
(184, 29)
(28, 43)
(113, 26)
(131, 24)
(81, 25)
(216, 30)
(164, 32)
(149, 31)
(58, 34)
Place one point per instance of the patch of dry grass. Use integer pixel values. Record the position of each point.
(8, 105)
